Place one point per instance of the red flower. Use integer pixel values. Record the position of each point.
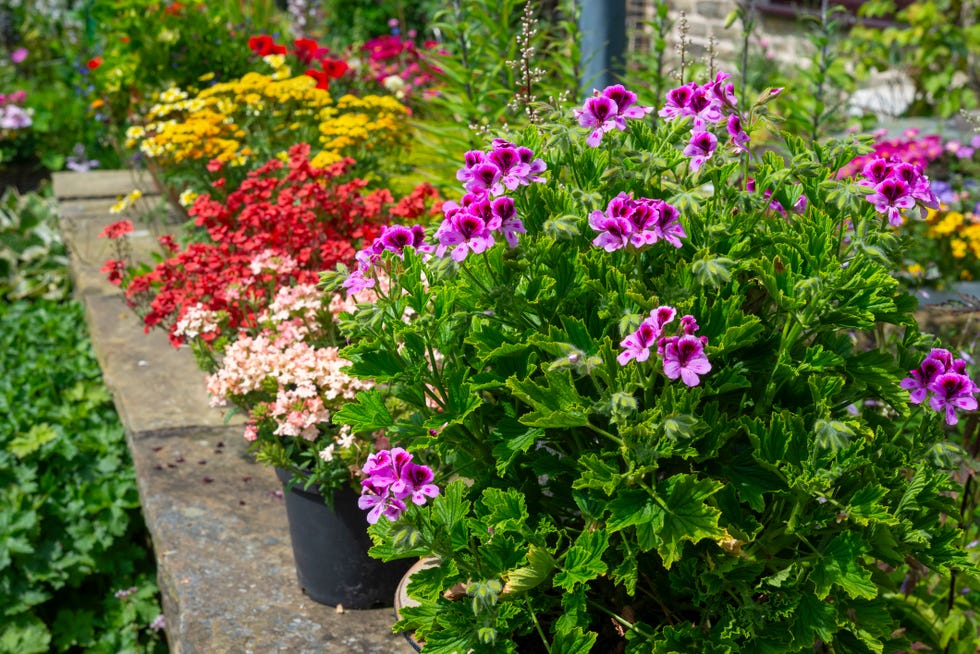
(322, 79)
(168, 243)
(94, 63)
(263, 45)
(174, 9)
(117, 229)
(215, 165)
(334, 68)
(114, 270)
(306, 50)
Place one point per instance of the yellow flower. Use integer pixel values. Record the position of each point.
(916, 270)
(946, 225)
(206, 77)
(187, 198)
(275, 60)
(958, 246)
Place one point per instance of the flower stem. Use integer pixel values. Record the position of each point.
(537, 625)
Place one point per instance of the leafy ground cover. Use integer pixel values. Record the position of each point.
(76, 567)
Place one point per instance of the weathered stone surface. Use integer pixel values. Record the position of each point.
(156, 388)
(216, 518)
(101, 184)
(226, 565)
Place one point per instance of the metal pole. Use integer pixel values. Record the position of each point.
(602, 24)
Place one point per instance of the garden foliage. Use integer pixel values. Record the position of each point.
(76, 568)
(662, 413)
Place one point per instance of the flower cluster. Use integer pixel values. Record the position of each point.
(307, 52)
(391, 479)
(470, 224)
(283, 225)
(896, 186)
(13, 115)
(609, 110)
(683, 356)
(193, 129)
(399, 64)
(305, 379)
(636, 222)
(910, 148)
(707, 104)
(592, 399)
(943, 380)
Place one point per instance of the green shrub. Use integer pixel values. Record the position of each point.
(71, 535)
(33, 259)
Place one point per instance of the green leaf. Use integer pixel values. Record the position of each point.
(865, 507)
(366, 413)
(32, 441)
(583, 560)
(25, 634)
(539, 568)
(688, 517)
(513, 438)
(556, 404)
(597, 474)
(678, 514)
(449, 511)
(813, 618)
(506, 509)
(840, 566)
(573, 641)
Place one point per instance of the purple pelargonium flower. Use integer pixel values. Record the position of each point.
(890, 197)
(609, 110)
(704, 108)
(677, 101)
(945, 378)
(464, 232)
(684, 357)
(392, 478)
(397, 237)
(599, 113)
(700, 149)
(952, 391)
(614, 233)
(625, 101)
(637, 345)
(636, 222)
(739, 138)
(485, 179)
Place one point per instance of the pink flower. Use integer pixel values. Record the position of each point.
(637, 345)
(599, 112)
(700, 148)
(952, 391)
(684, 357)
(890, 197)
(19, 55)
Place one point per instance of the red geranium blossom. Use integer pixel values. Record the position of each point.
(117, 229)
(313, 217)
(306, 50)
(263, 45)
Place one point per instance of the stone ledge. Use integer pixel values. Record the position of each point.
(216, 518)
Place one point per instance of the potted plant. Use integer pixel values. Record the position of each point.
(242, 295)
(648, 389)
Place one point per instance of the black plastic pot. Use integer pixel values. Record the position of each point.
(330, 548)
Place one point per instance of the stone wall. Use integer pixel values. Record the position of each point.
(781, 36)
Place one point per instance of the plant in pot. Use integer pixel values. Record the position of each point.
(242, 294)
(661, 385)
